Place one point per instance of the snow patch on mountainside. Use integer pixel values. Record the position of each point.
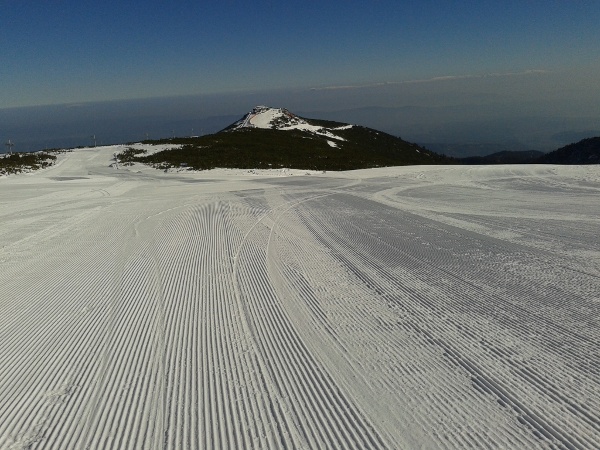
(282, 119)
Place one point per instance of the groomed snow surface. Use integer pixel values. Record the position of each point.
(415, 307)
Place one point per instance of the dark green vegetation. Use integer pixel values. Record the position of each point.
(586, 151)
(21, 162)
(128, 156)
(256, 148)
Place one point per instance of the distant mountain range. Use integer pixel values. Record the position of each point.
(276, 138)
(504, 157)
(465, 150)
(586, 151)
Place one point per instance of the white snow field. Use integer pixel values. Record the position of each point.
(438, 307)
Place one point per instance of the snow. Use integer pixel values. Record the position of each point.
(408, 307)
(282, 119)
(265, 118)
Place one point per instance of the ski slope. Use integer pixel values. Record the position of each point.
(432, 307)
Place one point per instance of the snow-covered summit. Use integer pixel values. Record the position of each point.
(281, 119)
(266, 117)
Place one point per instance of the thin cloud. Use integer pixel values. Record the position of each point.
(431, 80)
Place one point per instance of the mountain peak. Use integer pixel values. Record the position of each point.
(281, 119)
(267, 117)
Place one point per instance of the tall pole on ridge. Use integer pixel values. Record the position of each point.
(9, 146)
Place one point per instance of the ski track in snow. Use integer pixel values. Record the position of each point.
(416, 307)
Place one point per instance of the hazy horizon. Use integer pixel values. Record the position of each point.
(537, 110)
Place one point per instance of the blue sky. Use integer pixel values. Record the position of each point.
(55, 52)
